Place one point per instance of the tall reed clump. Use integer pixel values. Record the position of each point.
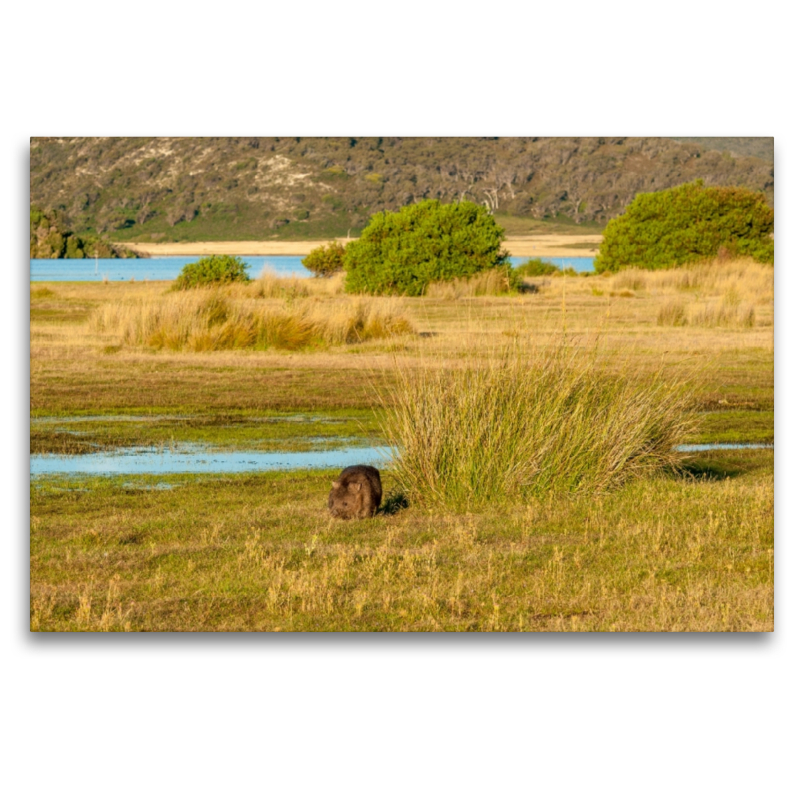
(520, 426)
(207, 320)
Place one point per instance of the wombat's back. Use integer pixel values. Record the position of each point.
(356, 493)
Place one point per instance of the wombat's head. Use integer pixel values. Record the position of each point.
(348, 500)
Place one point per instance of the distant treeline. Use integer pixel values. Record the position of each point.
(296, 187)
(50, 238)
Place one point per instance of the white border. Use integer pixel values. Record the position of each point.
(601, 716)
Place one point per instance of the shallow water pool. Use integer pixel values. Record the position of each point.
(197, 459)
(201, 459)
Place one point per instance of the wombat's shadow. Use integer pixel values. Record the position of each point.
(393, 503)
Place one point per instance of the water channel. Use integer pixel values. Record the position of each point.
(167, 268)
(201, 459)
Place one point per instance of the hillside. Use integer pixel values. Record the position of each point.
(193, 189)
(757, 146)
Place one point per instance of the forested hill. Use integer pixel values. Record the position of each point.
(256, 188)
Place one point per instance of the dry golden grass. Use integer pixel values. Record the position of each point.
(71, 367)
(493, 282)
(673, 312)
(216, 319)
(271, 285)
(721, 293)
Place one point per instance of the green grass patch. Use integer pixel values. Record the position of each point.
(734, 426)
(277, 432)
(259, 552)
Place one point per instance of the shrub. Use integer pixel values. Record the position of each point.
(210, 271)
(326, 260)
(685, 224)
(536, 268)
(404, 251)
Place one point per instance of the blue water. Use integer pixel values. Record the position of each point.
(151, 269)
(197, 459)
(168, 267)
(701, 448)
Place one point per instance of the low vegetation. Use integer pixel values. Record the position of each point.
(212, 271)
(491, 282)
(689, 223)
(405, 251)
(210, 320)
(536, 268)
(326, 260)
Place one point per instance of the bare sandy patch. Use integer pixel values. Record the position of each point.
(522, 246)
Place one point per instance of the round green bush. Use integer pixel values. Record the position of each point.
(402, 252)
(535, 268)
(325, 260)
(685, 224)
(212, 270)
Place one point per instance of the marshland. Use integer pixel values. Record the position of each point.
(576, 513)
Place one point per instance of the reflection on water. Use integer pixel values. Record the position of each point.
(196, 459)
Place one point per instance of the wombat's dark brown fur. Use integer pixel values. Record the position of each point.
(356, 493)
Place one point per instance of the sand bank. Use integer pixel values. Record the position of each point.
(541, 246)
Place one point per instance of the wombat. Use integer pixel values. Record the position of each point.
(356, 493)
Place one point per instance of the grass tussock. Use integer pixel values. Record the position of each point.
(633, 280)
(728, 312)
(492, 282)
(672, 313)
(270, 285)
(528, 423)
(752, 282)
(210, 320)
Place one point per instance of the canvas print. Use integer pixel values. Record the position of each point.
(459, 384)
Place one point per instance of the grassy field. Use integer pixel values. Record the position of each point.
(676, 550)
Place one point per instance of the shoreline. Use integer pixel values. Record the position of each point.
(518, 246)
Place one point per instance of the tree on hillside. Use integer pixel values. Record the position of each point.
(404, 251)
(689, 223)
